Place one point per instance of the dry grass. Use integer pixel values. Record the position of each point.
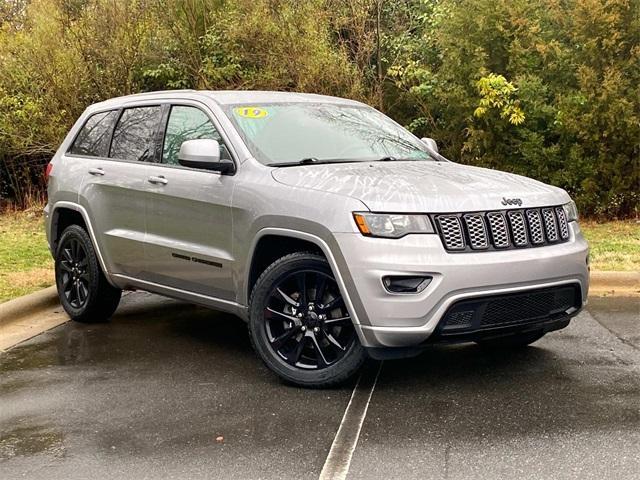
(25, 262)
(615, 246)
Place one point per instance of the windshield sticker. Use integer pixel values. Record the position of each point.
(251, 112)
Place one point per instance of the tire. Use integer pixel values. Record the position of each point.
(92, 299)
(299, 325)
(513, 342)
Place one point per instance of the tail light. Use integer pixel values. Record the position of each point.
(47, 172)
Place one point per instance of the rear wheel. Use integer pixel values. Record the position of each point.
(519, 340)
(84, 292)
(299, 323)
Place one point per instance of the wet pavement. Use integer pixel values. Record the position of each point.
(168, 390)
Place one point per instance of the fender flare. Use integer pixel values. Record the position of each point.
(87, 220)
(320, 243)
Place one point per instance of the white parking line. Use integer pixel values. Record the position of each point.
(336, 466)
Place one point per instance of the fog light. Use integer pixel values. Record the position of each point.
(406, 284)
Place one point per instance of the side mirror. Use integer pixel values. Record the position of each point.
(204, 154)
(431, 143)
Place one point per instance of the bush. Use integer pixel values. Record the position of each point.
(543, 88)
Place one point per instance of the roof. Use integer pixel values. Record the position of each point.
(229, 97)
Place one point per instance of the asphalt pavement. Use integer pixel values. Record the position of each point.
(170, 390)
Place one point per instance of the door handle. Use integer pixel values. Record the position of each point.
(96, 171)
(159, 180)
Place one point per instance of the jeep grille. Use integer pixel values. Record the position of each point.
(500, 230)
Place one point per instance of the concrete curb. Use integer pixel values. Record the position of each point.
(27, 305)
(612, 280)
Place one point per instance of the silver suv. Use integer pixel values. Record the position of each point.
(333, 231)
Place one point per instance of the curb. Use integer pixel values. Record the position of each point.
(27, 305)
(609, 280)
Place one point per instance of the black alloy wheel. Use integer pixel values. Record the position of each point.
(83, 290)
(306, 321)
(74, 273)
(300, 325)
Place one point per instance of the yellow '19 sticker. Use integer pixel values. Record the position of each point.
(251, 112)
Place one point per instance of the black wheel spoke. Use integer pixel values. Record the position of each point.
(78, 293)
(336, 302)
(287, 298)
(67, 255)
(301, 278)
(321, 284)
(279, 342)
(322, 360)
(332, 340)
(291, 318)
(331, 321)
(296, 353)
(64, 264)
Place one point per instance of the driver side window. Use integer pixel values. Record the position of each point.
(188, 123)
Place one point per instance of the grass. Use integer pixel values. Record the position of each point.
(615, 246)
(25, 261)
(26, 265)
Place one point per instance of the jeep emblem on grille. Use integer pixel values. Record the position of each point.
(512, 201)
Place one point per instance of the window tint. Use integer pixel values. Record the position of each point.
(188, 123)
(93, 139)
(134, 136)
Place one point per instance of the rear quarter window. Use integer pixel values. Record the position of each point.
(95, 135)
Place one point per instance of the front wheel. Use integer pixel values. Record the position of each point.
(84, 292)
(299, 323)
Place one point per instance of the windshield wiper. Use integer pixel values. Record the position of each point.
(311, 161)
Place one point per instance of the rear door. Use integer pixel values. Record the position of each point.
(189, 211)
(115, 187)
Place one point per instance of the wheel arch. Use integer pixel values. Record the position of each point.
(273, 241)
(66, 213)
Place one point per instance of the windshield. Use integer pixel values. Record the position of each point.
(283, 133)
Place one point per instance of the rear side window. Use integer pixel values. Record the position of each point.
(188, 123)
(134, 137)
(93, 139)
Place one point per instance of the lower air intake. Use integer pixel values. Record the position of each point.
(511, 309)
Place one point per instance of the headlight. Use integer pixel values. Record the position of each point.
(571, 211)
(391, 225)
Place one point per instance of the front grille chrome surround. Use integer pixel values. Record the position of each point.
(502, 229)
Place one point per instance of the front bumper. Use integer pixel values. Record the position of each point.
(404, 320)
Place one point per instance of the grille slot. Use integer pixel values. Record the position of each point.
(532, 227)
(499, 231)
(518, 229)
(535, 226)
(477, 231)
(451, 232)
(563, 225)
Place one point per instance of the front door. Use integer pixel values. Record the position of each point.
(188, 242)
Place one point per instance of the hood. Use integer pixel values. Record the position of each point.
(425, 187)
